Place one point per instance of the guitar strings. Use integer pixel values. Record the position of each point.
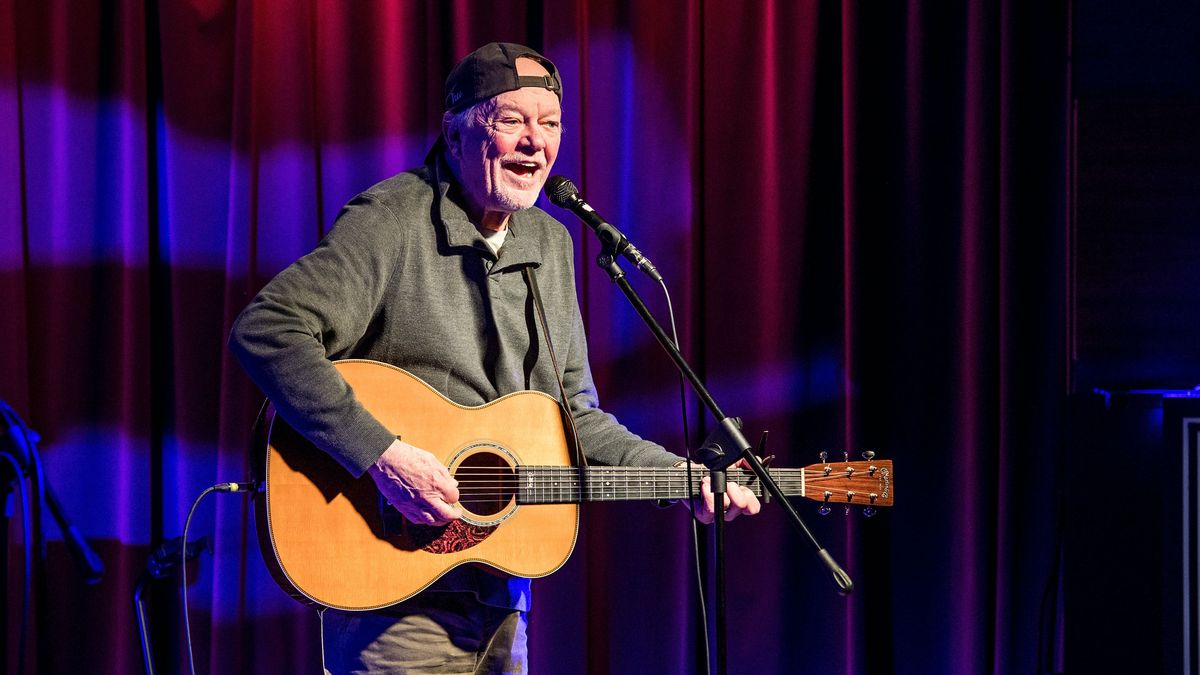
(550, 473)
(548, 484)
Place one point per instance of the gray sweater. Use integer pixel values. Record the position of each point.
(405, 278)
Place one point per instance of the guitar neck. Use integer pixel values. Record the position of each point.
(846, 482)
(558, 484)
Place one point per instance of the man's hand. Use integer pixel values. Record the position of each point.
(417, 484)
(738, 499)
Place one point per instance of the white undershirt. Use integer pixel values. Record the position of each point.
(494, 238)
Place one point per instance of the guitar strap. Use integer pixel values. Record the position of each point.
(531, 281)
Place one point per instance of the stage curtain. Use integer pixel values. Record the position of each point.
(859, 209)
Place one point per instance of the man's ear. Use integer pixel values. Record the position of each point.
(453, 135)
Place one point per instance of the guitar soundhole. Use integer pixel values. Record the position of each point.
(486, 483)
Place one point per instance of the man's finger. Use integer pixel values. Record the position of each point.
(441, 511)
(736, 494)
(449, 489)
(743, 497)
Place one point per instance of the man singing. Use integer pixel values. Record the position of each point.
(424, 271)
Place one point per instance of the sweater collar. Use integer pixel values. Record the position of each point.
(520, 246)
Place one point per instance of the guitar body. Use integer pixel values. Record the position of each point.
(328, 540)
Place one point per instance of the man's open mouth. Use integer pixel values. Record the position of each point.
(522, 168)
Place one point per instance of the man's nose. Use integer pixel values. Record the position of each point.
(534, 137)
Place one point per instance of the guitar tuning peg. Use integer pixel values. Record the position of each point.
(824, 510)
(868, 455)
(846, 454)
(869, 512)
(847, 510)
(824, 455)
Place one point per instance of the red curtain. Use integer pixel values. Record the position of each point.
(859, 209)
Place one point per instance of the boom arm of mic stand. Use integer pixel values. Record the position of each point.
(727, 444)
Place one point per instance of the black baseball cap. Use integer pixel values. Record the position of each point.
(492, 70)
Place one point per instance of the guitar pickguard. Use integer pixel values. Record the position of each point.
(452, 538)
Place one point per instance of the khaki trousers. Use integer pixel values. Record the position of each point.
(432, 633)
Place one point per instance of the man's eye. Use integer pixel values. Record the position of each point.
(508, 123)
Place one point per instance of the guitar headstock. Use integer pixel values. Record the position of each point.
(866, 483)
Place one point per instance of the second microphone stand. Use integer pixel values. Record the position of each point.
(725, 446)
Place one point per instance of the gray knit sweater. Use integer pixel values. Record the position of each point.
(405, 278)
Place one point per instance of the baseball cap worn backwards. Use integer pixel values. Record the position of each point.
(492, 70)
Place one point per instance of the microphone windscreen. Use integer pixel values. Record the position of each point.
(560, 190)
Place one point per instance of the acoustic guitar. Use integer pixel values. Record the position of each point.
(328, 538)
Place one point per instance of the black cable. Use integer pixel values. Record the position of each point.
(38, 575)
(39, 478)
(187, 626)
(687, 442)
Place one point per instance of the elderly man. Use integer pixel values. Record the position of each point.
(424, 271)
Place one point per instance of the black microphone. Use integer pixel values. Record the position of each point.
(563, 193)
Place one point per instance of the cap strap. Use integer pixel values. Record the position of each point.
(542, 81)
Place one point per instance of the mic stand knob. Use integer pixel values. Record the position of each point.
(607, 262)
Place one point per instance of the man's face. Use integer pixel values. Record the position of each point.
(504, 161)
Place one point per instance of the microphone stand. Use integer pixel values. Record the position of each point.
(724, 446)
(18, 449)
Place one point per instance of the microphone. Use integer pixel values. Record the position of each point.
(563, 193)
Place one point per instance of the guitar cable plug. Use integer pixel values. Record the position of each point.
(252, 486)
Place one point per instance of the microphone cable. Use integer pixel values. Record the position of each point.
(563, 193)
(690, 483)
(187, 626)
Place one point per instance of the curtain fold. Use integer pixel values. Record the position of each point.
(859, 210)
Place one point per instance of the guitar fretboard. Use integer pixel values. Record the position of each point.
(558, 485)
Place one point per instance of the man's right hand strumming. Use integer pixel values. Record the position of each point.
(416, 484)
